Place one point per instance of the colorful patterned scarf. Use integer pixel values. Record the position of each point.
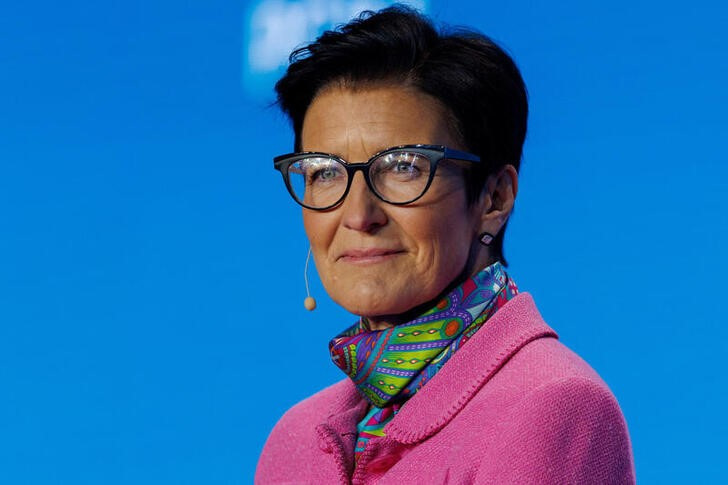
(389, 366)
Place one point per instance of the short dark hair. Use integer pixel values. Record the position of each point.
(468, 73)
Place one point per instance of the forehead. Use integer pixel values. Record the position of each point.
(360, 121)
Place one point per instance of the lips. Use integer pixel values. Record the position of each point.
(368, 255)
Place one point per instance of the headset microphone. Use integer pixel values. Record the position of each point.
(309, 302)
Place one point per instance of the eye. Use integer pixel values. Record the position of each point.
(403, 165)
(324, 174)
(321, 170)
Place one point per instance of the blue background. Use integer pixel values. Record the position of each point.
(151, 325)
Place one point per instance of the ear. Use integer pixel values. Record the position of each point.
(497, 200)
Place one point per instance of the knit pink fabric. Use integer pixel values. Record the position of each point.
(513, 405)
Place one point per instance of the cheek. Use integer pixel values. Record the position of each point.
(314, 226)
(443, 243)
(320, 228)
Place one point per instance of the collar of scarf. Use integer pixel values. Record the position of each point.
(390, 365)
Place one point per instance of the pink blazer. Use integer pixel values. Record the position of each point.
(513, 405)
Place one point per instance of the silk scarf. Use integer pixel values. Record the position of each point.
(389, 366)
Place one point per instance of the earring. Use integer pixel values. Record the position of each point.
(486, 238)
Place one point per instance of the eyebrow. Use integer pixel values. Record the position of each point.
(379, 149)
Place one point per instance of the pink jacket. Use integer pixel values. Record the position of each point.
(513, 405)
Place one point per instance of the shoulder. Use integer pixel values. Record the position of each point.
(293, 446)
(316, 408)
(562, 424)
(554, 378)
(304, 416)
(550, 383)
(545, 360)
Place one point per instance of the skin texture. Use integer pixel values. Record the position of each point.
(420, 250)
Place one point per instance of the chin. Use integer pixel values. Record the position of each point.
(381, 296)
(382, 308)
(367, 304)
(371, 308)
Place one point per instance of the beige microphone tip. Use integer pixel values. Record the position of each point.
(309, 303)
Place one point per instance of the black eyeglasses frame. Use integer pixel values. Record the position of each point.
(434, 153)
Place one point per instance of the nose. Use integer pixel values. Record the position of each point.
(362, 210)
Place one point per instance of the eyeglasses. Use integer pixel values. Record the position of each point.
(398, 175)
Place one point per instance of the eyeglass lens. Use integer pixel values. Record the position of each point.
(398, 176)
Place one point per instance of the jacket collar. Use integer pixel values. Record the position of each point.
(517, 323)
(446, 394)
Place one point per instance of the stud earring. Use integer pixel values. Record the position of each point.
(486, 238)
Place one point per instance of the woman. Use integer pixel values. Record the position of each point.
(408, 144)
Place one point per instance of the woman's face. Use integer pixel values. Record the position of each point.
(376, 259)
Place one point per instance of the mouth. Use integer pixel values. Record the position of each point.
(368, 256)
